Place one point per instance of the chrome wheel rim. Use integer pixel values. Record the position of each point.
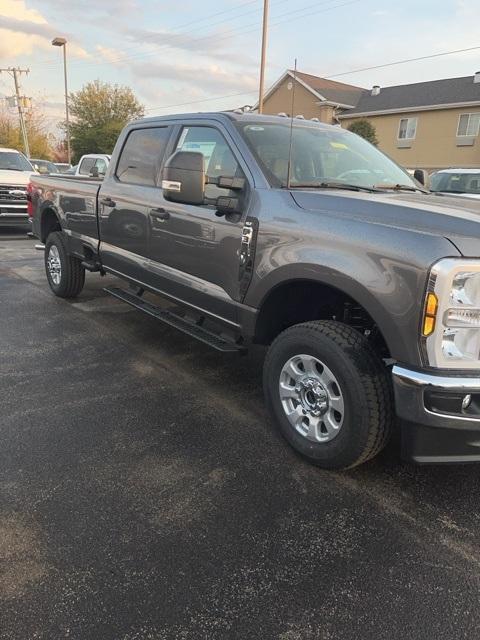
(54, 265)
(311, 398)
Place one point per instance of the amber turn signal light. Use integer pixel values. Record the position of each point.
(431, 306)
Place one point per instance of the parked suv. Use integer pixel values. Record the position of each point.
(307, 239)
(15, 172)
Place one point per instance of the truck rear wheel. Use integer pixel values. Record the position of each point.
(65, 273)
(329, 393)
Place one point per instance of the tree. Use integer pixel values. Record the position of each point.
(365, 129)
(39, 139)
(99, 112)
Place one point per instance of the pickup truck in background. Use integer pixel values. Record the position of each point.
(302, 237)
(15, 172)
(92, 164)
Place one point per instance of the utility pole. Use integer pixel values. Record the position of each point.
(262, 61)
(14, 71)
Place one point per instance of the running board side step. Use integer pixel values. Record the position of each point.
(183, 324)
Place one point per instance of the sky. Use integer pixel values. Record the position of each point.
(187, 55)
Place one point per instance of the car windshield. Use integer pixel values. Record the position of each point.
(320, 156)
(12, 161)
(456, 182)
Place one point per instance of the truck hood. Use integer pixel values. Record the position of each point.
(457, 219)
(21, 178)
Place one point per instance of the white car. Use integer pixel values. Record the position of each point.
(93, 164)
(15, 172)
(457, 182)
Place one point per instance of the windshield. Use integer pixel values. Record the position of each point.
(320, 155)
(12, 161)
(456, 182)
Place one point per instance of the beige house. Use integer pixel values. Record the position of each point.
(428, 125)
(314, 97)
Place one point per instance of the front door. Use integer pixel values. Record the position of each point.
(194, 248)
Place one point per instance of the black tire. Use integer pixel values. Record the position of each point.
(72, 274)
(364, 383)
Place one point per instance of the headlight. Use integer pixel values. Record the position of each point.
(451, 319)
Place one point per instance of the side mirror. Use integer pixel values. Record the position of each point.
(420, 176)
(183, 178)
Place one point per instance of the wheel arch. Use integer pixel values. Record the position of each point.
(304, 298)
(49, 221)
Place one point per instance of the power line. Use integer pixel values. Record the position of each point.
(228, 34)
(182, 104)
(391, 64)
(149, 39)
(336, 75)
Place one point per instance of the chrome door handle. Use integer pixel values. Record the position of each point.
(160, 214)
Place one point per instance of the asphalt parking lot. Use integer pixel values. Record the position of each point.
(145, 496)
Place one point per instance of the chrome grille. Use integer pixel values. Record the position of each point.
(7, 196)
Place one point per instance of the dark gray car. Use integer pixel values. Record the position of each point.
(305, 238)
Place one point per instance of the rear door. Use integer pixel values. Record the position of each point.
(127, 198)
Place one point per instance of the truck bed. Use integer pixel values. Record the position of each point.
(73, 197)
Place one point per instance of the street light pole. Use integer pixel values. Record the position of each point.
(262, 61)
(61, 42)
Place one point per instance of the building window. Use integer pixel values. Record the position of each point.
(468, 124)
(407, 129)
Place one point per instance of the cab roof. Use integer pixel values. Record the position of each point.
(236, 116)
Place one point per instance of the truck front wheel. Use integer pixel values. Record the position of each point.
(65, 273)
(329, 393)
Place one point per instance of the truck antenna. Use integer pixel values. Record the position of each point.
(289, 167)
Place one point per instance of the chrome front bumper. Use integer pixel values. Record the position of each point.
(431, 435)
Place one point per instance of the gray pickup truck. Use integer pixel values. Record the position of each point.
(302, 237)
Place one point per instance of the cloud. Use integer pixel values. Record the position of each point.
(457, 29)
(87, 7)
(17, 9)
(208, 77)
(213, 44)
(24, 31)
(27, 27)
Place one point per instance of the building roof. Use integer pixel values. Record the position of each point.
(435, 93)
(330, 90)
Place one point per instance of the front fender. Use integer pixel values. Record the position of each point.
(387, 279)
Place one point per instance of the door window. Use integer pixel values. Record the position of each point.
(141, 156)
(218, 157)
